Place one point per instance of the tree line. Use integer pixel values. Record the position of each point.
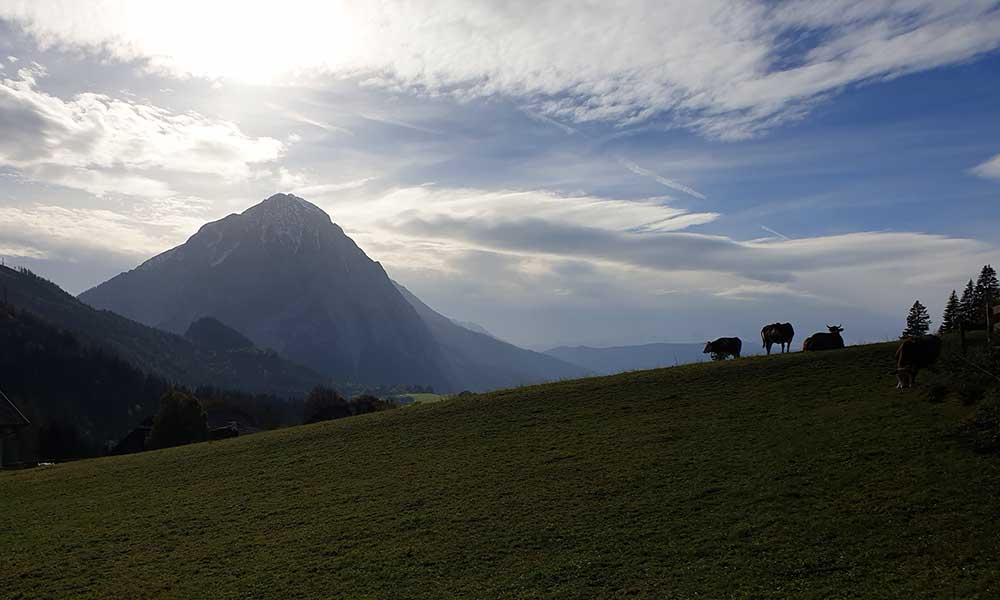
(81, 399)
(968, 310)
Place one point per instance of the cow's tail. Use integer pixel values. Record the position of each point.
(763, 338)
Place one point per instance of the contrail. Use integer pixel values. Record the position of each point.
(670, 183)
(549, 121)
(781, 235)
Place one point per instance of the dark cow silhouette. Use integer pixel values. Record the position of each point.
(723, 347)
(825, 341)
(777, 333)
(913, 354)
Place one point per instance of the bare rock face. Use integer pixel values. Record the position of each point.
(283, 274)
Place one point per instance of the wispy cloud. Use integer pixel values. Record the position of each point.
(625, 70)
(65, 230)
(670, 183)
(321, 189)
(989, 169)
(18, 251)
(301, 118)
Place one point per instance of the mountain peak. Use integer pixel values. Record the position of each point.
(280, 198)
(285, 204)
(286, 220)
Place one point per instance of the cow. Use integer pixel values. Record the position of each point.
(724, 347)
(913, 354)
(777, 333)
(825, 341)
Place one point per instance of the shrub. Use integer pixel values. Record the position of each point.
(179, 421)
(983, 426)
(367, 403)
(324, 404)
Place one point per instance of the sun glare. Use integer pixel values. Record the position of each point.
(247, 41)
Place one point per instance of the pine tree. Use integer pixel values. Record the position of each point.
(952, 314)
(918, 322)
(965, 305)
(986, 291)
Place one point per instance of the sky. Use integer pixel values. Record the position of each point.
(560, 172)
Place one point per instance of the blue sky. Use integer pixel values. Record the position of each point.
(564, 173)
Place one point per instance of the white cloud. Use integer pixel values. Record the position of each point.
(101, 144)
(466, 248)
(65, 229)
(989, 169)
(420, 228)
(302, 184)
(428, 204)
(18, 251)
(725, 68)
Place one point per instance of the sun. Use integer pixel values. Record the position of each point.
(249, 42)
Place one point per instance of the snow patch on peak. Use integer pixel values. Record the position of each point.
(290, 201)
(285, 218)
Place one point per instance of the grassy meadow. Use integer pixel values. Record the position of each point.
(805, 476)
(424, 398)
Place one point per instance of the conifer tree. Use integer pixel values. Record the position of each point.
(986, 291)
(965, 305)
(918, 322)
(952, 314)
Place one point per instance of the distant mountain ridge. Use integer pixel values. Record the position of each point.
(285, 276)
(476, 327)
(485, 360)
(616, 359)
(209, 332)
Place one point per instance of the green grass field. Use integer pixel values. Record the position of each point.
(804, 476)
(424, 398)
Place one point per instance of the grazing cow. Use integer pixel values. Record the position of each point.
(825, 341)
(913, 354)
(777, 333)
(723, 347)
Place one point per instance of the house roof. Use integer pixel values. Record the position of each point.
(9, 414)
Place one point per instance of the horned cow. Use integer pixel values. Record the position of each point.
(913, 354)
(777, 333)
(724, 347)
(825, 341)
